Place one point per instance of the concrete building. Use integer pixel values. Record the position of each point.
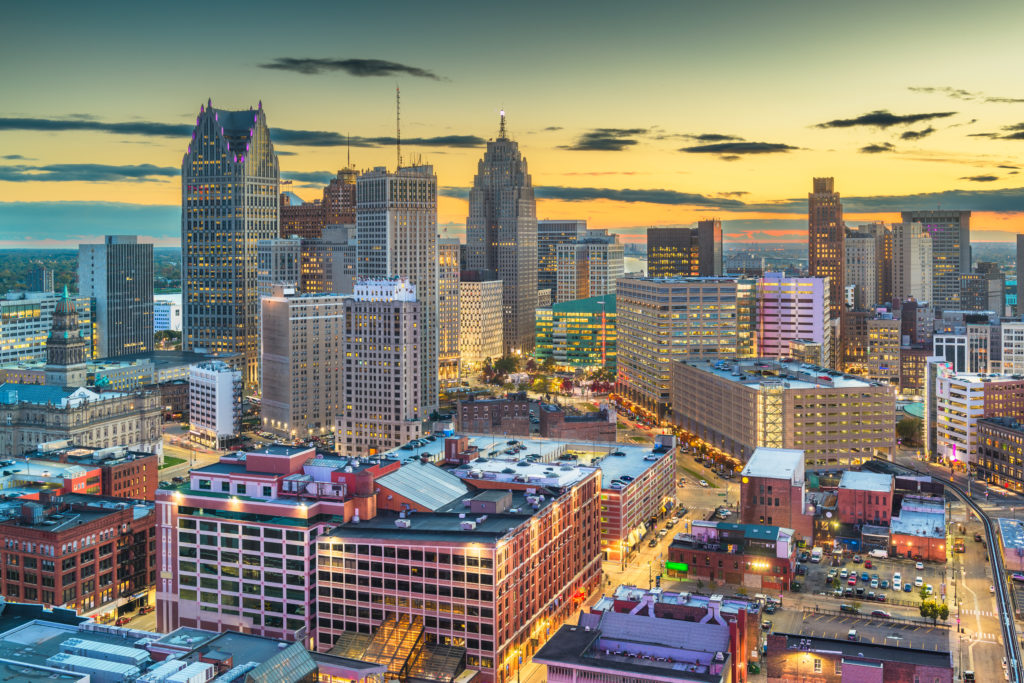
(26, 319)
(685, 252)
(808, 351)
(40, 279)
(982, 292)
(314, 265)
(773, 489)
(967, 346)
(579, 334)
(448, 317)
(1000, 445)
(911, 263)
(738, 406)
(300, 218)
(230, 183)
(1020, 274)
(118, 276)
(278, 262)
(91, 554)
(501, 235)
(480, 328)
(661, 320)
(826, 241)
(789, 309)
(587, 268)
(873, 343)
(868, 266)
(551, 234)
(214, 403)
(950, 233)
(1011, 344)
(759, 556)
(308, 219)
(913, 369)
(396, 229)
(166, 316)
(959, 400)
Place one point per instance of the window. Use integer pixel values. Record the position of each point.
(817, 666)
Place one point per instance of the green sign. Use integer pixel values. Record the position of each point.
(677, 566)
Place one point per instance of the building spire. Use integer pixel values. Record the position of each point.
(502, 135)
(398, 124)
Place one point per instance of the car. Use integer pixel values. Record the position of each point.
(884, 584)
(907, 588)
(653, 543)
(146, 609)
(918, 582)
(928, 589)
(849, 609)
(766, 625)
(977, 538)
(703, 483)
(795, 586)
(770, 608)
(991, 589)
(801, 570)
(880, 596)
(852, 635)
(865, 577)
(870, 596)
(897, 585)
(919, 566)
(874, 583)
(122, 621)
(1017, 577)
(670, 523)
(662, 533)
(847, 592)
(878, 553)
(838, 593)
(682, 482)
(804, 556)
(874, 577)
(843, 573)
(867, 564)
(896, 577)
(853, 580)
(860, 591)
(880, 613)
(856, 559)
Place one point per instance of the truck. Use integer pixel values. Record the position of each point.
(816, 554)
(958, 545)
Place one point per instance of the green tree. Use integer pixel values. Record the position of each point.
(934, 611)
(506, 365)
(909, 431)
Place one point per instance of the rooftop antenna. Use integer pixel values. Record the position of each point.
(398, 123)
(501, 130)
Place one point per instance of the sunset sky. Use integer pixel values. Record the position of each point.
(630, 114)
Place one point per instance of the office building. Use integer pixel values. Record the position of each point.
(685, 252)
(118, 276)
(480, 311)
(772, 491)
(661, 320)
(26, 319)
(919, 529)
(1000, 440)
(1020, 275)
(1012, 347)
(789, 309)
(738, 406)
(448, 317)
(66, 349)
(40, 278)
(968, 347)
(214, 403)
(587, 269)
(869, 258)
(578, 334)
(317, 265)
(912, 269)
(91, 554)
(166, 316)
(551, 234)
(230, 183)
(982, 292)
(300, 218)
(959, 401)
(501, 235)
(913, 368)
(396, 229)
(826, 241)
(808, 351)
(309, 219)
(759, 556)
(950, 233)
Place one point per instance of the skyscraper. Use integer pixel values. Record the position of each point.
(911, 262)
(826, 238)
(685, 252)
(396, 230)
(229, 201)
(951, 252)
(869, 263)
(501, 235)
(448, 311)
(550, 234)
(40, 278)
(792, 308)
(118, 275)
(65, 347)
(587, 268)
(1020, 274)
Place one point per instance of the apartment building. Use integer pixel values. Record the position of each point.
(959, 400)
(214, 403)
(480, 328)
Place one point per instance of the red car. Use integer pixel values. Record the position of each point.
(147, 609)
(852, 581)
(122, 621)
(867, 564)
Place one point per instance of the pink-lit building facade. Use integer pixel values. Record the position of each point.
(792, 308)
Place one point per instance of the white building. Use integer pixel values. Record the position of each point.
(960, 400)
(968, 347)
(480, 328)
(214, 402)
(25, 322)
(792, 308)
(587, 268)
(911, 262)
(1012, 345)
(166, 316)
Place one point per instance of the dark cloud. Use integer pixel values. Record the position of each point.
(581, 194)
(15, 157)
(878, 148)
(730, 151)
(917, 134)
(321, 138)
(981, 178)
(322, 177)
(967, 95)
(607, 139)
(882, 118)
(1014, 168)
(94, 173)
(735, 194)
(171, 130)
(553, 128)
(283, 153)
(353, 67)
(713, 137)
(1014, 131)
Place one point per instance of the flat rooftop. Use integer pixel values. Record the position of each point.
(917, 517)
(1012, 533)
(796, 375)
(730, 604)
(775, 463)
(75, 516)
(32, 643)
(866, 481)
(916, 642)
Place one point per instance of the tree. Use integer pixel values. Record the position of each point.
(909, 431)
(934, 611)
(548, 365)
(531, 365)
(506, 365)
(567, 386)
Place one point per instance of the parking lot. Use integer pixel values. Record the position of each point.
(814, 582)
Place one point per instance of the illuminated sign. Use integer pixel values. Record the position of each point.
(677, 566)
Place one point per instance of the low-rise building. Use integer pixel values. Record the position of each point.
(1011, 533)
(508, 416)
(557, 423)
(123, 473)
(865, 498)
(215, 403)
(753, 555)
(773, 489)
(919, 530)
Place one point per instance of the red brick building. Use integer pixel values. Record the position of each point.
(865, 498)
(509, 416)
(831, 660)
(122, 473)
(752, 555)
(338, 207)
(93, 554)
(555, 423)
(772, 491)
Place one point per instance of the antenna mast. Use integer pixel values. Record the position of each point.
(501, 130)
(398, 124)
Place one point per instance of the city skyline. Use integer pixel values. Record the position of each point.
(698, 130)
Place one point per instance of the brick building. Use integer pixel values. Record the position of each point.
(865, 498)
(123, 473)
(92, 554)
(832, 660)
(919, 530)
(1000, 446)
(772, 491)
(753, 555)
(501, 416)
(556, 423)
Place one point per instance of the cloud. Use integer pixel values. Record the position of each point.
(15, 157)
(553, 128)
(734, 193)
(1014, 131)
(606, 139)
(882, 118)
(282, 153)
(961, 94)
(1014, 168)
(151, 128)
(582, 194)
(730, 151)
(94, 173)
(981, 178)
(321, 138)
(713, 137)
(321, 177)
(362, 68)
(917, 134)
(878, 148)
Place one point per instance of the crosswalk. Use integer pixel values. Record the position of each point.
(979, 612)
(989, 637)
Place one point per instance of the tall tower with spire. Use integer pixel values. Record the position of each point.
(65, 347)
(501, 235)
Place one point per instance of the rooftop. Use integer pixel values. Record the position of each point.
(425, 484)
(730, 605)
(776, 463)
(43, 394)
(75, 510)
(866, 481)
(1012, 533)
(918, 642)
(922, 517)
(591, 305)
(796, 375)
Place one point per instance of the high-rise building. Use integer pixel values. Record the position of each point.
(661, 320)
(826, 241)
(911, 263)
(982, 292)
(448, 320)
(300, 218)
(868, 266)
(340, 198)
(791, 308)
(480, 326)
(579, 333)
(696, 252)
(308, 219)
(1020, 273)
(229, 185)
(314, 265)
(950, 232)
(501, 235)
(26, 319)
(588, 268)
(550, 234)
(66, 350)
(40, 278)
(214, 403)
(118, 276)
(396, 227)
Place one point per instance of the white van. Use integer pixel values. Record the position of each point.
(816, 554)
(878, 554)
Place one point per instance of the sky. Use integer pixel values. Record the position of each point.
(629, 114)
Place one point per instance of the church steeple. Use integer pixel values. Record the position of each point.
(65, 348)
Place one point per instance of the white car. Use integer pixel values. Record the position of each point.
(918, 582)
(919, 565)
(897, 585)
(991, 589)
(703, 483)
(928, 589)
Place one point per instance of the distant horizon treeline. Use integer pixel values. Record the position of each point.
(16, 266)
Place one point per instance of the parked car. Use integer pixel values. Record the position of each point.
(703, 483)
(856, 559)
(804, 556)
(852, 635)
(907, 587)
(1017, 577)
(874, 583)
(867, 564)
(853, 580)
(766, 625)
(146, 609)
(878, 553)
(122, 621)
(884, 584)
(770, 608)
(865, 577)
(849, 609)
(919, 565)
(928, 589)
(977, 538)
(880, 596)
(653, 543)
(880, 613)
(918, 582)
